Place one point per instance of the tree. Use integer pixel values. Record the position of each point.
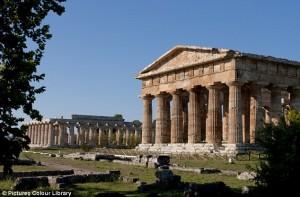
(277, 175)
(22, 42)
(119, 116)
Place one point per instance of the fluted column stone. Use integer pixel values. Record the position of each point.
(214, 119)
(256, 111)
(176, 118)
(72, 135)
(235, 114)
(147, 120)
(50, 135)
(161, 135)
(194, 124)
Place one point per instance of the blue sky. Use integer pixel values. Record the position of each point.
(98, 46)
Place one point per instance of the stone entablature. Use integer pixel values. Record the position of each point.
(98, 131)
(215, 96)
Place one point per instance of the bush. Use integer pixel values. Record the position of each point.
(277, 174)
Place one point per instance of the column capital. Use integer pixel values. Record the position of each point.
(176, 92)
(147, 97)
(234, 83)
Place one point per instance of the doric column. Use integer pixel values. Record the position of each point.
(136, 137)
(225, 116)
(42, 133)
(82, 133)
(55, 131)
(276, 107)
(72, 136)
(256, 111)
(36, 129)
(168, 117)
(110, 135)
(119, 136)
(61, 134)
(214, 120)
(50, 135)
(245, 114)
(46, 125)
(176, 118)
(87, 135)
(79, 141)
(161, 120)
(29, 132)
(295, 98)
(147, 120)
(127, 137)
(90, 136)
(185, 120)
(39, 133)
(235, 114)
(100, 136)
(194, 124)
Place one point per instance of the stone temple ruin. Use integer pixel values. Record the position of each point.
(103, 131)
(214, 100)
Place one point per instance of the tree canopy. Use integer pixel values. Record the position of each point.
(23, 38)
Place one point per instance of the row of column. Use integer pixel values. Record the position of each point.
(235, 121)
(41, 133)
(61, 134)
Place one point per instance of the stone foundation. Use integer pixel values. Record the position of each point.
(199, 148)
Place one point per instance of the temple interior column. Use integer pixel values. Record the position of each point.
(35, 133)
(147, 120)
(56, 132)
(119, 136)
(245, 102)
(100, 137)
(185, 119)
(110, 136)
(161, 120)
(90, 136)
(72, 135)
(276, 107)
(176, 118)
(60, 134)
(78, 134)
(137, 137)
(127, 137)
(42, 133)
(87, 134)
(235, 114)
(225, 115)
(50, 135)
(194, 122)
(39, 133)
(214, 119)
(46, 129)
(256, 111)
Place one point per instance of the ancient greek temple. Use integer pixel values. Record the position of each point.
(101, 131)
(214, 100)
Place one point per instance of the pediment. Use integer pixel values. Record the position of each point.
(181, 57)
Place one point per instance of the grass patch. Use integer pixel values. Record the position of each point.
(221, 164)
(6, 184)
(91, 189)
